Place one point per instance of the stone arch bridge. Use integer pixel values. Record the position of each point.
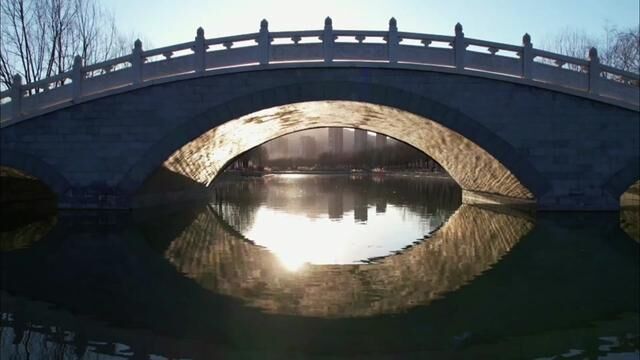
(506, 121)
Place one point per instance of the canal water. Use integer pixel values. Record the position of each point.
(321, 266)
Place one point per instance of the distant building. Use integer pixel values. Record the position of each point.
(283, 146)
(381, 141)
(359, 140)
(335, 140)
(335, 204)
(309, 147)
(278, 148)
(360, 208)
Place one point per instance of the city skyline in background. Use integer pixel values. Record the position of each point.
(335, 148)
(311, 143)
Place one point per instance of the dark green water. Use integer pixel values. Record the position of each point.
(325, 267)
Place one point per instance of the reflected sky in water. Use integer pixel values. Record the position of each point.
(329, 219)
(298, 239)
(186, 283)
(220, 260)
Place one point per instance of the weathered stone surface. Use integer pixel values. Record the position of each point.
(469, 243)
(471, 166)
(567, 152)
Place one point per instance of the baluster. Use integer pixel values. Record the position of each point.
(264, 42)
(526, 57)
(199, 51)
(16, 97)
(594, 71)
(136, 62)
(328, 40)
(392, 41)
(76, 78)
(459, 47)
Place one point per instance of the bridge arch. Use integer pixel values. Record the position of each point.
(624, 179)
(562, 148)
(495, 164)
(35, 167)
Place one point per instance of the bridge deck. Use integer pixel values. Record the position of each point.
(327, 48)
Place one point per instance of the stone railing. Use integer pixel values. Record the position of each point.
(327, 47)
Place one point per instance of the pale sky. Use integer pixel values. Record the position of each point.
(166, 22)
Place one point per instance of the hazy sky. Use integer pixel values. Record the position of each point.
(166, 22)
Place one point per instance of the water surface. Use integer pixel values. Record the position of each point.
(191, 282)
(334, 219)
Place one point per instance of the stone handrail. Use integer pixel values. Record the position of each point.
(326, 47)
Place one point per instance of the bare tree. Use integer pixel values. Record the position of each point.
(96, 34)
(616, 48)
(572, 42)
(622, 49)
(40, 38)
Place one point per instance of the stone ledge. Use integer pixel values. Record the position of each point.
(471, 197)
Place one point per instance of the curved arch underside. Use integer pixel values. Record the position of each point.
(471, 166)
(415, 276)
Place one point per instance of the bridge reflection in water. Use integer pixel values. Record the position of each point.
(487, 284)
(220, 259)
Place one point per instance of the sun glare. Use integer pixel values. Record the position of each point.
(299, 239)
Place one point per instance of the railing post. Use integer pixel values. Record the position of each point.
(16, 97)
(264, 42)
(459, 47)
(392, 41)
(136, 62)
(328, 40)
(199, 51)
(594, 71)
(76, 78)
(527, 56)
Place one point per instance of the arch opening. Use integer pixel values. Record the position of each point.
(630, 211)
(476, 170)
(334, 149)
(631, 197)
(24, 198)
(19, 187)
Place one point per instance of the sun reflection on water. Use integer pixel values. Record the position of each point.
(299, 239)
(292, 176)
